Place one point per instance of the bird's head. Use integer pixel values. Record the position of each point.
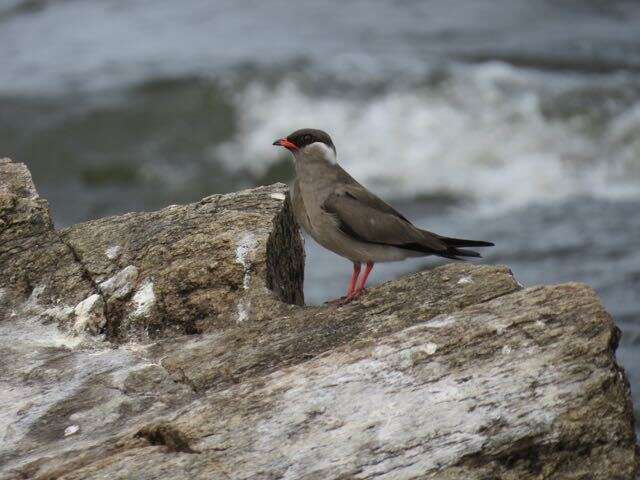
(309, 143)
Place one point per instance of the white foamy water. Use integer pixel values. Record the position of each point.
(490, 132)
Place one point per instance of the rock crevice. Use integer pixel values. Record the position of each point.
(99, 308)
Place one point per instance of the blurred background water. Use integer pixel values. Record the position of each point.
(507, 120)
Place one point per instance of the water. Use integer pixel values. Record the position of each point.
(511, 121)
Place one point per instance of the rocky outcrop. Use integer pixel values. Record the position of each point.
(174, 345)
(191, 268)
(31, 251)
(187, 269)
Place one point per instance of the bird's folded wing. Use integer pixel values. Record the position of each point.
(365, 217)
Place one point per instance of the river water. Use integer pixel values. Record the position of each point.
(505, 120)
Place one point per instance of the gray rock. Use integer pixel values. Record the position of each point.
(191, 268)
(37, 267)
(185, 269)
(205, 365)
(90, 315)
(121, 284)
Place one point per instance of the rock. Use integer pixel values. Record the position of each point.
(36, 266)
(284, 336)
(90, 315)
(167, 435)
(192, 268)
(121, 284)
(210, 368)
(184, 269)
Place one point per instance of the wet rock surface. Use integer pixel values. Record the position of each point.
(173, 344)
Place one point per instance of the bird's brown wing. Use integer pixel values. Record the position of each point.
(351, 185)
(365, 217)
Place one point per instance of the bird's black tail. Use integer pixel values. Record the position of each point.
(461, 242)
(452, 251)
(455, 253)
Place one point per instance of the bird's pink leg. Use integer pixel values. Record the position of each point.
(356, 292)
(354, 279)
(352, 287)
(363, 281)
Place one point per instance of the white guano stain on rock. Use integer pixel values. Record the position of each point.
(90, 315)
(112, 252)
(71, 429)
(244, 306)
(277, 196)
(244, 257)
(121, 284)
(144, 299)
(465, 280)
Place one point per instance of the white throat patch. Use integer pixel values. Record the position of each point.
(322, 150)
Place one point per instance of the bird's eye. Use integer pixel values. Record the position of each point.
(306, 138)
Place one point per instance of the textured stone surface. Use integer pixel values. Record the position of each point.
(503, 389)
(184, 269)
(283, 335)
(201, 371)
(191, 268)
(36, 267)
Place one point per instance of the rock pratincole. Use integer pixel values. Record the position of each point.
(346, 218)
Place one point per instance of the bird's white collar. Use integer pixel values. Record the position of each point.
(320, 149)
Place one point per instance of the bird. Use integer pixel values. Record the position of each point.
(343, 216)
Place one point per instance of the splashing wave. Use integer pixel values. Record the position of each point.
(491, 133)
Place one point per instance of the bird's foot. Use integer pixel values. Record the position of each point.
(348, 299)
(357, 294)
(336, 301)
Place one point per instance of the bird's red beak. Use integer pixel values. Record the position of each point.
(283, 142)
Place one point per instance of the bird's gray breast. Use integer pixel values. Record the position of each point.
(299, 210)
(315, 182)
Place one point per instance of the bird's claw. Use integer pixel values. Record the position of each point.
(348, 299)
(336, 301)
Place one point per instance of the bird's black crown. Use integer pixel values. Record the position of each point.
(307, 136)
